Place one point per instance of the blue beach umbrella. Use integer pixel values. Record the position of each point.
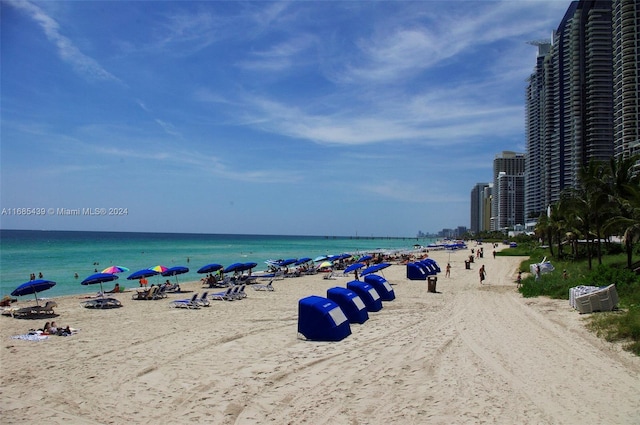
(142, 273)
(99, 278)
(374, 268)
(248, 266)
(234, 267)
(303, 260)
(352, 267)
(33, 287)
(210, 268)
(175, 271)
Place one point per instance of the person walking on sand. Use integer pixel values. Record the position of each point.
(482, 273)
(448, 272)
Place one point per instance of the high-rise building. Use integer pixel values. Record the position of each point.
(478, 213)
(486, 207)
(536, 159)
(507, 203)
(626, 77)
(570, 103)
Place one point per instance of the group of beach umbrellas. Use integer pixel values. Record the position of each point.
(110, 274)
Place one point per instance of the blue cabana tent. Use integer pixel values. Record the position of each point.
(320, 319)
(367, 293)
(350, 303)
(415, 271)
(382, 286)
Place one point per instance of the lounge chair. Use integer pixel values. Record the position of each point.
(233, 294)
(186, 303)
(102, 303)
(224, 295)
(203, 301)
(160, 293)
(147, 294)
(35, 311)
(262, 287)
(239, 293)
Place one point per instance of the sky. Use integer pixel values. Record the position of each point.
(340, 118)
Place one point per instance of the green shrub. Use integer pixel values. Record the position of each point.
(622, 325)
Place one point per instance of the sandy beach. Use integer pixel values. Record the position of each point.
(468, 354)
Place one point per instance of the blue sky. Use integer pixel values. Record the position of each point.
(309, 118)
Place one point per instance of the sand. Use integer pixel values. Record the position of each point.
(468, 354)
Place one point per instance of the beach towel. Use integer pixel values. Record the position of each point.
(31, 337)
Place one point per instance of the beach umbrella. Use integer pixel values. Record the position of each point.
(99, 278)
(33, 287)
(374, 268)
(287, 262)
(366, 257)
(210, 268)
(233, 267)
(115, 269)
(248, 266)
(159, 268)
(352, 267)
(142, 273)
(325, 264)
(175, 271)
(302, 261)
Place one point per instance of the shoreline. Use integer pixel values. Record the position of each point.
(466, 354)
(61, 256)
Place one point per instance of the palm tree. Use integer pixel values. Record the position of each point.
(544, 230)
(557, 223)
(578, 203)
(594, 187)
(624, 192)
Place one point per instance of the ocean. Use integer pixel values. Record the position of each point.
(59, 255)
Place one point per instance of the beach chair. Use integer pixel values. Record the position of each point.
(35, 312)
(160, 293)
(240, 293)
(186, 303)
(262, 287)
(224, 295)
(203, 301)
(234, 294)
(147, 294)
(102, 303)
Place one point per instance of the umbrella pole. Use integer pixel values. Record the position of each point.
(35, 294)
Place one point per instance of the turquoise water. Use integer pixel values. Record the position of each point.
(58, 255)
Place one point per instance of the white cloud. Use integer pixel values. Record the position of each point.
(68, 51)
